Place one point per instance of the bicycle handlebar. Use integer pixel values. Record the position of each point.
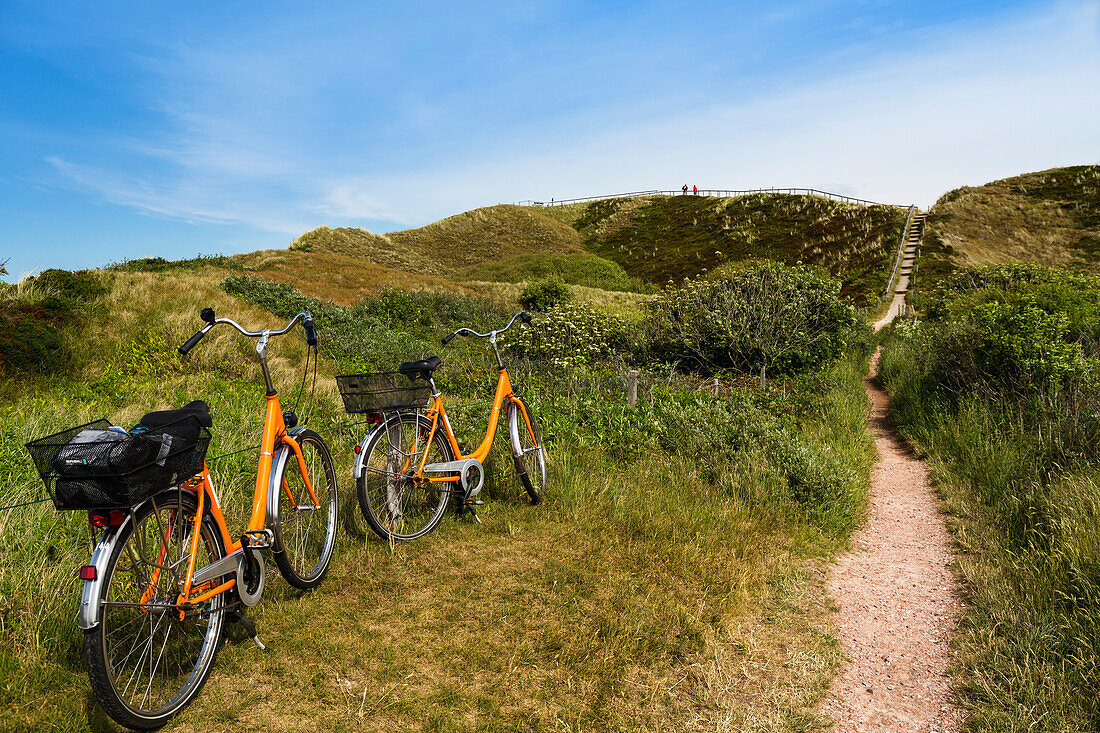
(522, 315)
(211, 321)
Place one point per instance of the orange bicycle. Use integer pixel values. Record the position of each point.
(166, 573)
(410, 465)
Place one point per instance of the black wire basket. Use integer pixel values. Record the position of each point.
(382, 392)
(93, 467)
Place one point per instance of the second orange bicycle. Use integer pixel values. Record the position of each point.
(410, 466)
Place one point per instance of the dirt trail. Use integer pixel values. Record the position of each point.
(898, 600)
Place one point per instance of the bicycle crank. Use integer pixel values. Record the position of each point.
(250, 576)
(471, 474)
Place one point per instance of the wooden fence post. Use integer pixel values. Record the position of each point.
(632, 388)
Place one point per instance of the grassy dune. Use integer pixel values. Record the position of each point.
(1050, 217)
(635, 244)
(664, 238)
(670, 587)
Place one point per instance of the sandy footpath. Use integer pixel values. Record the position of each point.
(898, 600)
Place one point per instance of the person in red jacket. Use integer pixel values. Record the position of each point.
(695, 190)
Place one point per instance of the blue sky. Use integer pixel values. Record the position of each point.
(172, 129)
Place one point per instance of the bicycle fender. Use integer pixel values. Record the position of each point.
(274, 486)
(361, 454)
(89, 613)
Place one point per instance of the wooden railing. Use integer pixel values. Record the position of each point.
(724, 193)
(901, 251)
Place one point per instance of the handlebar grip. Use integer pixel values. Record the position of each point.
(525, 317)
(311, 331)
(447, 339)
(191, 342)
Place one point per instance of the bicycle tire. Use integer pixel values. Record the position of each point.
(138, 677)
(396, 506)
(528, 450)
(305, 536)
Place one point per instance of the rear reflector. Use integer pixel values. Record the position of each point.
(97, 518)
(87, 572)
(116, 517)
(358, 449)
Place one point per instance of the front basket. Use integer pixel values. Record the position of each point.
(92, 467)
(382, 392)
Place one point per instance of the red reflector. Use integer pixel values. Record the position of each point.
(97, 518)
(117, 517)
(358, 449)
(375, 419)
(87, 572)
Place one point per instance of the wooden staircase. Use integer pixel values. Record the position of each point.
(906, 270)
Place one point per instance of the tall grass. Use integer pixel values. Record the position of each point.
(1020, 473)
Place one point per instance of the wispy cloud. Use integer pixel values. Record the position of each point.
(293, 125)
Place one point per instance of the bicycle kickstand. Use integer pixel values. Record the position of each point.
(249, 627)
(468, 505)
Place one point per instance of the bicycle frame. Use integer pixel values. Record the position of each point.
(438, 415)
(275, 447)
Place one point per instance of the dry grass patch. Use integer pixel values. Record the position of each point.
(1051, 217)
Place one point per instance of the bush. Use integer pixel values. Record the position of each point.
(543, 295)
(78, 287)
(32, 323)
(570, 335)
(766, 316)
(30, 338)
(377, 333)
(159, 264)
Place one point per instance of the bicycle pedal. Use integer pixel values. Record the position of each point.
(258, 539)
(473, 502)
(470, 508)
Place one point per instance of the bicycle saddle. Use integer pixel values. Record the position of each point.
(424, 367)
(199, 409)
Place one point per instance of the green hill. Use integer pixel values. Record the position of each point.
(634, 244)
(1051, 217)
(663, 238)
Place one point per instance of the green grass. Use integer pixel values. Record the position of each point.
(669, 580)
(1020, 477)
(665, 238)
(575, 268)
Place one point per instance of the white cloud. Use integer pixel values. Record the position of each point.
(963, 105)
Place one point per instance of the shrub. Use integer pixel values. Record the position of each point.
(543, 295)
(377, 333)
(35, 314)
(81, 286)
(159, 264)
(30, 338)
(765, 316)
(570, 335)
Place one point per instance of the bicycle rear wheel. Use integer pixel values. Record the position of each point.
(144, 661)
(528, 450)
(306, 532)
(397, 504)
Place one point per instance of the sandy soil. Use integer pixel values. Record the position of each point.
(898, 601)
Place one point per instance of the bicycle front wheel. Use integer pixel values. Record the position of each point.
(305, 533)
(528, 450)
(146, 659)
(397, 503)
